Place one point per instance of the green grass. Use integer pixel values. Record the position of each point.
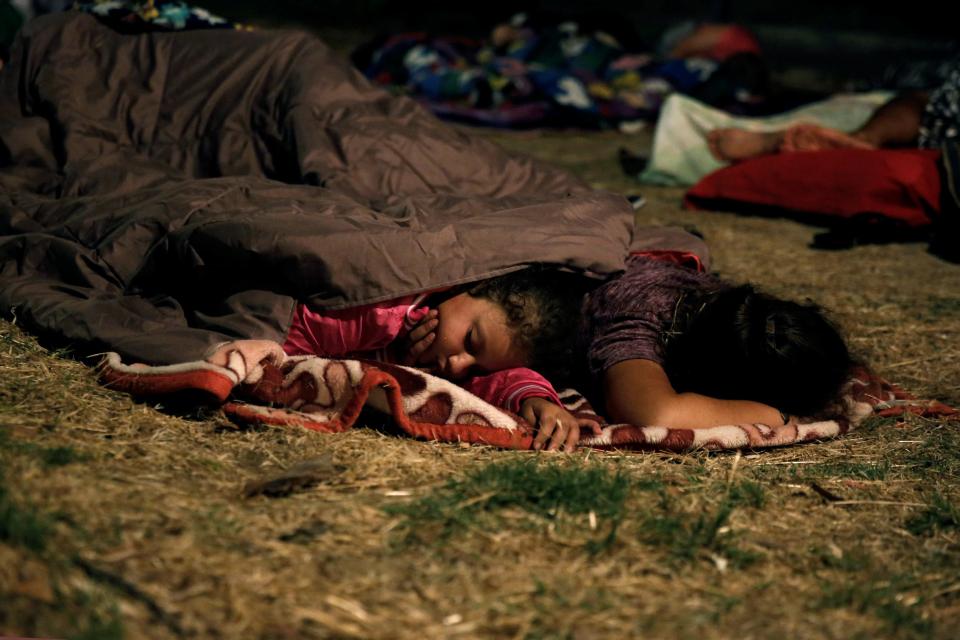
(78, 614)
(49, 456)
(217, 526)
(747, 493)
(545, 490)
(689, 531)
(940, 514)
(852, 470)
(939, 455)
(940, 307)
(98, 627)
(825, 470)
(548, 599)
(548, 491)
(21, 525)
(880, 598)
(848, 560)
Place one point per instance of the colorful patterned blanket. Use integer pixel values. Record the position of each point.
(328, 395)
(559, 75)
(143, 16)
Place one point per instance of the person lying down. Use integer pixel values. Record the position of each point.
(502, 339)
(661, 345)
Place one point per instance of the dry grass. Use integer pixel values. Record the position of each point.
(121, 520)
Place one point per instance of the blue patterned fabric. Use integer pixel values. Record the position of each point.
(941, 118)
(554, 75)
(154, 15)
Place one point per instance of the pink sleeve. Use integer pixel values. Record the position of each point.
(348, 332)
(508, 388)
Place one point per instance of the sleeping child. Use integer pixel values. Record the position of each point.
(488, 336)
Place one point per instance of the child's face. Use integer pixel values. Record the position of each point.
(472, 339)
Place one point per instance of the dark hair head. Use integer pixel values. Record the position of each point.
(740, 344)
(543, 310)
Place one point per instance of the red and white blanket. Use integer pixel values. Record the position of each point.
(327, 395)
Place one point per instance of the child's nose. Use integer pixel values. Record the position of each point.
(459, 364)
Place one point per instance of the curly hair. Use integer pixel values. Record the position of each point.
(738, 343)
(543, 308)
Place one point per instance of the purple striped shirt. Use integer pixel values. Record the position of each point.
(625, 318)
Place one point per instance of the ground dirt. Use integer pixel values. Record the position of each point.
(123, 519)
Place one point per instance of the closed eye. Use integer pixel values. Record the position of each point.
(470, 342)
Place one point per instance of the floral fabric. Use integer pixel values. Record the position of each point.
(941, 118)
(555, 75)
(154, 15)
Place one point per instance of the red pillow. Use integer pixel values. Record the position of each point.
(902, 185)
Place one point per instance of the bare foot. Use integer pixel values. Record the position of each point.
(734, 145)
(811, 137)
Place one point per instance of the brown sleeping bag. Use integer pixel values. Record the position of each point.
(166, 191)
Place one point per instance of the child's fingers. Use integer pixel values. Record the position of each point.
(547, 428)
(528, 414)
(573, 437)
(426, 326)
(559, 435)
(418, 348)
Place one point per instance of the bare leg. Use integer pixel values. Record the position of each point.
(813, 137)
(896, 123)
(734, 145)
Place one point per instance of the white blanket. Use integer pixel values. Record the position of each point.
(680, 156)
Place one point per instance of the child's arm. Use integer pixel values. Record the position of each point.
(509, 388)
(527, 393)
(639, 392)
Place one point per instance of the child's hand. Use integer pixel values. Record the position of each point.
(419, 339)
(555, 423)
